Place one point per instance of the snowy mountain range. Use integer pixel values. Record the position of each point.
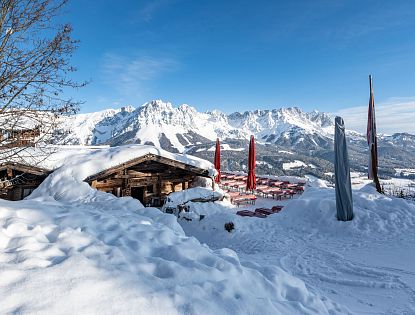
(175, 129)
(304, 135)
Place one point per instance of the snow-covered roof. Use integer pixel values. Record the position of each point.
(192, 167)
(75, 165)
(24, 167)
(101, 157)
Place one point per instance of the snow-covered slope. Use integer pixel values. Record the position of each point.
(174, 128)
(70, 249)
(365, 264)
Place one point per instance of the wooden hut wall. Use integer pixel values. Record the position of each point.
(19, 192)
(148, 189)
(149, 181)
(18, 181)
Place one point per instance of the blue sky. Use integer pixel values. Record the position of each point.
(241, 55)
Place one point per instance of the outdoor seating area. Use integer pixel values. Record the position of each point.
(235, 187)
(245, 189)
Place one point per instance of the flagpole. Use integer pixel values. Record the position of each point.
(372, 140)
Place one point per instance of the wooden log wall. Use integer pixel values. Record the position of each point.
(156, 187)
(149, 178)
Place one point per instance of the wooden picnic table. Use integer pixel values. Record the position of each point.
(238, 185)
(299, 188)
(265, 191)
(275, 184)
(277, 193)
(291, 185)
(262, 179)
(233, 193)
(272, 191)
(265, 211)
(248, 198)
(247, 213)
(290, 193)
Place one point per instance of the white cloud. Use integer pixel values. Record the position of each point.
(131, 77)
(395, 115)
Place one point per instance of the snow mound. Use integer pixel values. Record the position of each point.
(113, 256)
(201, 193)
(374, 213)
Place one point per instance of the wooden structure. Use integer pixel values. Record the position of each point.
(17, 180)
(10, 138)
(149, 178)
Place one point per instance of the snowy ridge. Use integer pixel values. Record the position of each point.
(173, 128)
(182, 129)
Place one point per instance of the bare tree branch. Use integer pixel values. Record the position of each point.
(34, 72)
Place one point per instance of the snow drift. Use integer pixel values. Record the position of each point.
(365, 264)
(375, 214)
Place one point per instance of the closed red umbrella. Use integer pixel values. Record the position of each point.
(372, 140)
(251, 181)
(217, 160)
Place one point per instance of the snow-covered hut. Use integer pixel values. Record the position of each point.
(15, 137)
(149, 177)
(143, 172)
(18, 180)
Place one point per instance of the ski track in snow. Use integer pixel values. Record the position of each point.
(329, 271)
(345, 273)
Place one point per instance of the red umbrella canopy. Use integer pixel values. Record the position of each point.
(251, 181)
(217, 160)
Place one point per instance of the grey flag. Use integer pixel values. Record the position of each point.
(344, 201)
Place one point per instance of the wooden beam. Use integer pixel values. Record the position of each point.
(178, 164)
(24, 168)
(134, 176)
(141, 181)
(115, 169)
(133, 172)
(107, 183)
(149, 157)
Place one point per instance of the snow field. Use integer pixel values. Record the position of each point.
(116, 257)
(71, 249)
(365, 264)
(295, 164)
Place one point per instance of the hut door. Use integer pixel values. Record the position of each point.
(138, 193)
